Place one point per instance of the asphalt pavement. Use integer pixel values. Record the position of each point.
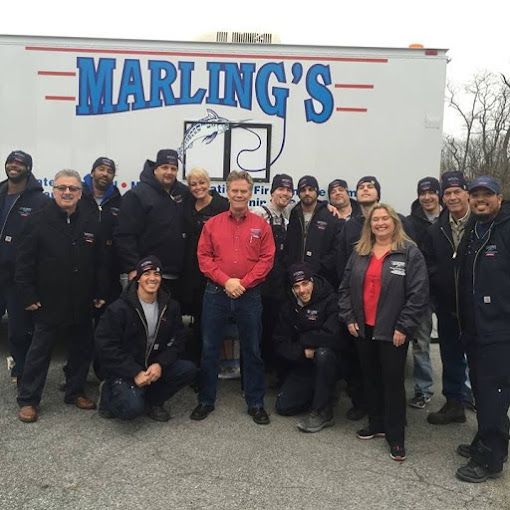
(74, 459)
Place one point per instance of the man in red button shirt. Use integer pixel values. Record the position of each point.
(235, 252)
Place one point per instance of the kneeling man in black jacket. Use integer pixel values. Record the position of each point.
(307, 338)
(138, 340)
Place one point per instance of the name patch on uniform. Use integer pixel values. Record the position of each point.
(312, 315)
(321, 225)
(491, 250)
(24, 211)
(177, 198)
(398, 268)
(88, 237)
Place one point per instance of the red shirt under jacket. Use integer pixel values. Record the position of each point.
(372, 288)
(231, 248)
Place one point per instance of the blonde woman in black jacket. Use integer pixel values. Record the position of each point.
(383, 295)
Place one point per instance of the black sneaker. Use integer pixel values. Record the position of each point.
(398, 452)
(259, 415)
(157, 413)
(355, 413)
(419, 401)
(201, 412)
(316, 421)
(474, 473)
(451, 412)
(464, 450)
(368, 433)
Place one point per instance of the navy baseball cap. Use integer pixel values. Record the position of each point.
(167, 157)
(485, 182)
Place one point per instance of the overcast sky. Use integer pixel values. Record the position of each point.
(474, 32)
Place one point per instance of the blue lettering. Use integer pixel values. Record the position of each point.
(163, 74)
(95, 86)
(318, 79)
(239, 83)
(131, 85)
(280, 94)
(186, 69)
(213, 96)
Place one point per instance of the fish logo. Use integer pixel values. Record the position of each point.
(205, 129)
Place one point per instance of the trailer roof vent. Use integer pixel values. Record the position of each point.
(241, 37)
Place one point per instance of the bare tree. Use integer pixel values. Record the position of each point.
(484, 109)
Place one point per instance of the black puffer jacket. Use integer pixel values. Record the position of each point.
(151, 222)
(484, 281)
(29, 201)
(313, 325)
(404, 293)
(121, 338)
(419, 223)
(61, 263)
(320, 250)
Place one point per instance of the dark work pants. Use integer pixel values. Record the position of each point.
(351, 369)
(79, 340)
(383, 367)
(19, 326)
(453, 358)
(270, 314)
(310, 385)
(489, 367)
(126, 401)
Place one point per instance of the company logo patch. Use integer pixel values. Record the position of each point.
(88, 237)
(114, 211)
(491, 250)
(255, 233)
(398, 268)
(321, 225)
(24, 211)
(312, 315)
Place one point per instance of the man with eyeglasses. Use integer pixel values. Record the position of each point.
(20, 196)
(61, 276)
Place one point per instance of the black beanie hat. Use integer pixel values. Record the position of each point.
(308, 180)
(428, 184)
(282, 181)
(146, 264)
(453, 179)
(105, 162)
(20, 157)
(167, 157)
(374, 181)
(335, 183)
(299, 272)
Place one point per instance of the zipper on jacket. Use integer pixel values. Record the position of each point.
(156, 331)
(9, 212)
(100, 209)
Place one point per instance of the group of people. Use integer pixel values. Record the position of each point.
(319, 290)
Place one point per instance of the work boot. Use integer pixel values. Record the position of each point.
(451, 412)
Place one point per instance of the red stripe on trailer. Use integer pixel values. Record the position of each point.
(355, 110)
(215, 55)
(56, 73)
(353, 86)
(60, 98)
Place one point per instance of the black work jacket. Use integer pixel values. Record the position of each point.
(121, 335)
(151, 222)
(320, 248)
(61, 264)
(312, 326)
(484, 281)
(404, 293)
(29, 201)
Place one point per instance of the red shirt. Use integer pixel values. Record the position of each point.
(236, 248)
(372, 288)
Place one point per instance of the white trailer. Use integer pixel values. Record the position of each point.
(333, 112)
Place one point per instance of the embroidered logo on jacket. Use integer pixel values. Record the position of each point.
(88, 237)
(255, 233)
(24, 211)
(398, 268)
(321, 225)
(491, 250)
(312, 315)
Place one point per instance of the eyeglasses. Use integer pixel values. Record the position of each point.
(62, 188)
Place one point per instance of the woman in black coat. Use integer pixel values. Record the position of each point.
(205, 204)
(382, 298)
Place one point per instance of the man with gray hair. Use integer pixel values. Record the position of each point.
(61, 276)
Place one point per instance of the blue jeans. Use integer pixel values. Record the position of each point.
(455, 379)
(247, 311)
(126, 401)
(19, 325)
(421, 357)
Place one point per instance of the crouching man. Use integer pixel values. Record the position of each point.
(307, 338)
(138, 341)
